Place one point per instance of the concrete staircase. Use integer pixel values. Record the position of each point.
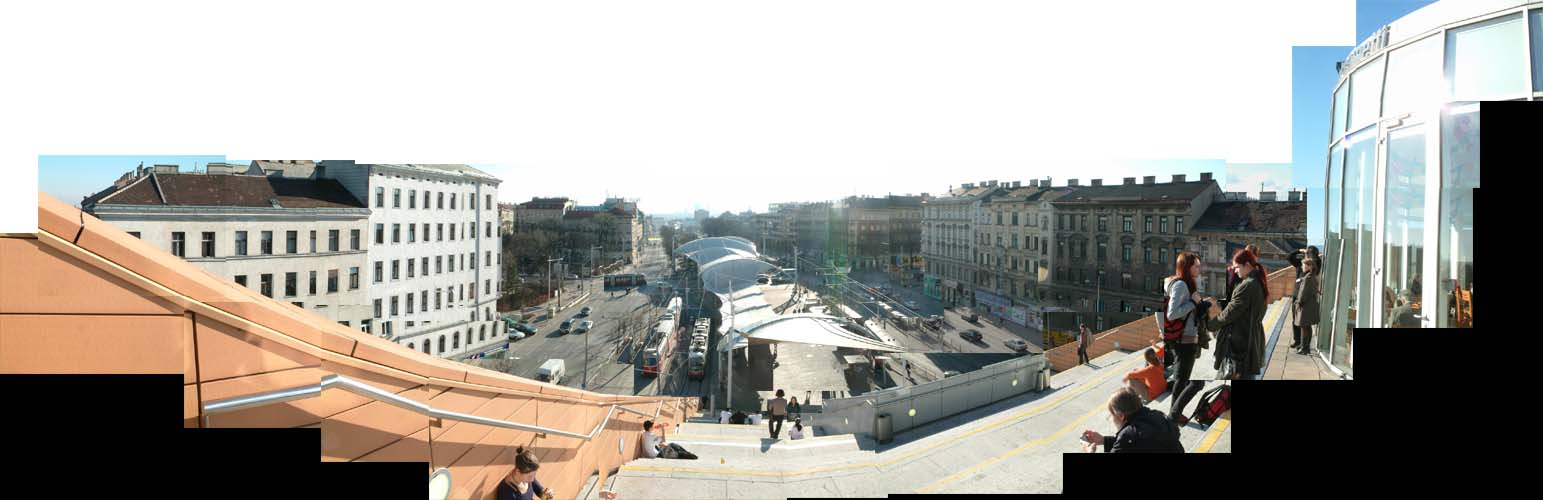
(1012, 446)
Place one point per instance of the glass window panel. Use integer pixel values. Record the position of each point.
(1333, 245)
(1459, 176)
(1366, 93)
(1487, 60)
(1341, 105)
(1414, 77)
(1355, 273)
(1403, 251)
(1537, 51)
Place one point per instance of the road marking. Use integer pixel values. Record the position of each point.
(950, 440)
(1215, 433)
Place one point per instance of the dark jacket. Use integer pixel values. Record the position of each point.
(1305, 309)
(1148, 431)
(1241, 326)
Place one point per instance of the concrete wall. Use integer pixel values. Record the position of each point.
(112, 304)
(934, 400)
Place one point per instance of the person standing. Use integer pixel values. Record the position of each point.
(779, 411)
(1084, 338)
(1296, 259)
(1240, 324)
(1305, 306)
(1184, 301)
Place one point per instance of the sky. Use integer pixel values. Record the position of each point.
(718, 105)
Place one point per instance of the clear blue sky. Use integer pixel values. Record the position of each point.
(1312, 87)
(71, 178)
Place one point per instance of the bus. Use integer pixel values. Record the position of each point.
(624, 280)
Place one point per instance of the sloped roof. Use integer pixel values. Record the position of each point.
(290, 168)
(233, 191)
(1254, 217)
(545, 203)
(1137, 193)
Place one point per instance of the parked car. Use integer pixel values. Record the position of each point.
(1018, 345)
(516, 335)
(567, 325)
(526, 328)
(551, 371)
(585, 311)
(970, 335)
(584, 327)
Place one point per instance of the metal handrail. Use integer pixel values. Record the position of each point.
(341, 382)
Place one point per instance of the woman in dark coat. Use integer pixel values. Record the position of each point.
(1241, 323)
(1305, 306)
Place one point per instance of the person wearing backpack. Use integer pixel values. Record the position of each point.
(1240, 341)
(1184, 305)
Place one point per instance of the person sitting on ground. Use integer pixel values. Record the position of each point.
(793, 408)
(521, 483)
(655, 447)
(1141, 429)
(798, 430)
(1148, 381)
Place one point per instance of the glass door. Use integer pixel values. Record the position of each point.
(1355, 287)
(1403, 226)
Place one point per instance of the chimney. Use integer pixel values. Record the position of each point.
(1130, 181)
(1205, 176)
(992, 183)
(1098, 182)
(1294, 195)
(1177, 178)
(1017, 183)
(1149, 180)
(1071, 182)
(1266, 196)
(1034, 183)
(1045, 183)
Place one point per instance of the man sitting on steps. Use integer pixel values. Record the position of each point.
(655, 447)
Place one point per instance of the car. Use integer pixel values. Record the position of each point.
(1018, 345)
(585, 311)
(949, 373)
(584, 327)
(516, 335)
(567, 325)
(970, 335)
(526, 328)
(573, 276)
(912, 304)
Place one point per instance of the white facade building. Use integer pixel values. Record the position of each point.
(433, 253)
(296, 240)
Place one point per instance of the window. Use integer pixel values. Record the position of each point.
(425, 301)
(1129, 224)
(1084, 220)
(425, 232)
(208, 244)
(393, 306)
(425, 266)
(241, 279)
(440, 229)
(1403, 250)
(1537, 49)
(380, 275)
(412, 198)
(488, 205)
(411, 264)
(313, 241)
(487, 286)
(1015, 218)
(425, 199)
(396, 198)
(437, 294)
(1147, 254)
(1163, 224)
(1103, 223)
(292, 241)
(452, 202)
(409, 303)
(332, 239)
(455, 340)
(1366, 93)
(1414, 80)
(452, 231)
(313, 283)
(439, 262)
(412, 233)
(1162, 255)
(396, 269)
(178, 245)
(487, 258)
(1125, 284)
(1459, 176)
(380, 197)
(441, 201)
(1125, 253)
(377, 308)
(266, 281)
(240, 242)
(332, 281)
(1149, 223)
(1484, 59)
(353, 278)
(1178, 224)
(489, 226)
(291, 284)
(472, 200)
(396, 233)
(1341, 110)
(441, 345)
(380, 234)
(473, 260)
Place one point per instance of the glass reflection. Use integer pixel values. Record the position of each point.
(1404, 227)
(1459, 176)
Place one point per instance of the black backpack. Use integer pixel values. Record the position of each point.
(1213, 404)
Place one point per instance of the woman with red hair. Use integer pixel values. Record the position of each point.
(1240, 324)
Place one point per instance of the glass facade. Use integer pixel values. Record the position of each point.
(1402, 166)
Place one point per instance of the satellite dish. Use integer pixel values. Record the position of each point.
(439, 484)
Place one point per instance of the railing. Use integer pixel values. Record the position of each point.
(366, 390)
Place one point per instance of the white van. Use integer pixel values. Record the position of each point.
(551, 371)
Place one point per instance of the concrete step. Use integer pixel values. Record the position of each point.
(709, 447)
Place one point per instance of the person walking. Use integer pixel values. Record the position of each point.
(779, 411)
(1240, 341)
(1183, 301)
(1084, 338)
(1305, 305)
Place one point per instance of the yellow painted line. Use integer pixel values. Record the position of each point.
(1026, 446)
(1117, 370)
(1215, 433)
